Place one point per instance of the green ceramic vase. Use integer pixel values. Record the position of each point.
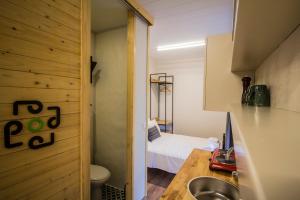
(258, 95)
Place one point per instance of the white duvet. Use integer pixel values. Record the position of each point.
(169, 151)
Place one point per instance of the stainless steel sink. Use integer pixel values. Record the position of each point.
(210, 188)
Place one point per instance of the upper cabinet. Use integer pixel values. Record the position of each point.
(221, 86)
(260, 27)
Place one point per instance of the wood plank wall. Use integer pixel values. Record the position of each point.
(40, 60)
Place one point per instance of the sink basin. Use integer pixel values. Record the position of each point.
(210, 188)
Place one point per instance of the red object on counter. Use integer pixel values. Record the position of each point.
(218, 161)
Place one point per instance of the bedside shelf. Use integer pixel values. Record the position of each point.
(154, 81)
(163, 122)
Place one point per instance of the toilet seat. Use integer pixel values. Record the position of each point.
(99, 173)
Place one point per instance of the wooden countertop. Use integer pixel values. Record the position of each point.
(196, 165)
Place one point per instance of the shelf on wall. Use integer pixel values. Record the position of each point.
(154, 81)
(166, 89)
(266, 142)
(163, 122)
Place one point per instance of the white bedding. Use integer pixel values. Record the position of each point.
(169, 151)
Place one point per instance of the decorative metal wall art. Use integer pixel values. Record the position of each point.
(34, 125)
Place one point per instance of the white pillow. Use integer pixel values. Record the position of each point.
(152, 123)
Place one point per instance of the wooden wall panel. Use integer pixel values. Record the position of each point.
(37, 66)
(66, 6)
(24, 32)
(36, 183)
(39, 22)
(64, 188)
(30, 49)
(75, 3)
(70, 120)
(28, 156)
(68, 193)
(49, 12)
(67, 108)
(25, 173)
(85, 99)
(10, 94)
(31, 80)
(61, 134)
(40, 59)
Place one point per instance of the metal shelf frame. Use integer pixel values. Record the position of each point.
(163, 80)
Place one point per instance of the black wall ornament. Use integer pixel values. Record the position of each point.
(15, 127)
(29, 106)
(55, 119)
(36, 121)
(38, 139)
(8, 131)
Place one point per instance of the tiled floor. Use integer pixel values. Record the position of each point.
(158, 181)
(112, 193)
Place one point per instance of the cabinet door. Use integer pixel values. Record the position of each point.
(221, 87)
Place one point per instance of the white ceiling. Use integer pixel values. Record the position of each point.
(177, 21)
(108, 14)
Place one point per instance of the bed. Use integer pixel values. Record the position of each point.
(169, 151)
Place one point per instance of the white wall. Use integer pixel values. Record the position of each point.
(111, 104)
(153, 90)
(140, 112)
(189, 117)
(281, 72)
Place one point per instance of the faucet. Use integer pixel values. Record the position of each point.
(228, 153)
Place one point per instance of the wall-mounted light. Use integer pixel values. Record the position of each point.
(181, 45)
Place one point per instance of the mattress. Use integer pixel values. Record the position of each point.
(169, 151)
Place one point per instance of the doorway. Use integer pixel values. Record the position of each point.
(108, 99)
(136, 76)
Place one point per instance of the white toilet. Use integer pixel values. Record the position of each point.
(99, 175)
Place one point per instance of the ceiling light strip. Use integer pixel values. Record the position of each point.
(181, 45)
